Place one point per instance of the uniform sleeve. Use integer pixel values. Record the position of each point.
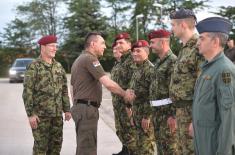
(199, 60)
(226, 106)
(28, 90)
(95, 68)
(65, 97)
(172, 107)
(147, 109)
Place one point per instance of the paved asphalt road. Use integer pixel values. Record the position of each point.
(15, 133)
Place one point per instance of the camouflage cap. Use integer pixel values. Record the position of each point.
(161, 33)
(123, 35)
(140, 43)
(182, 13)
(47, 40)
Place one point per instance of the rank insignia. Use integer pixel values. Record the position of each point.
(226, 77)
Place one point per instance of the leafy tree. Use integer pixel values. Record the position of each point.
(194, 5)
(33, 20)
(119, 13)
(229, 13)
(41, 15)
(17, 34)
(84, 17)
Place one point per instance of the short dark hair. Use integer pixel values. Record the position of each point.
(91, 36)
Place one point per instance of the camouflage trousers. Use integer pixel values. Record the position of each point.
(86, 122)
(166, 141)
(124, 130)
(48, 136)
(145, 140)
(184, 140)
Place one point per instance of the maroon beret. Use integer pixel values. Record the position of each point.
(140, 43)
(161, 33)
(123, 35)
(47, 40)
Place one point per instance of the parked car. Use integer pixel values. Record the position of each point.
(16, 72)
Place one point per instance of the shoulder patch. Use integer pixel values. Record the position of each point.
(96, 63)
(226, 77)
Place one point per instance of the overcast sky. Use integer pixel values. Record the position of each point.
(7, 12)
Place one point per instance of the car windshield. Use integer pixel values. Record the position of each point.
(21, 63)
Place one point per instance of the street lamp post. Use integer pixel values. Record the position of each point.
(137, 25)
(160, 6)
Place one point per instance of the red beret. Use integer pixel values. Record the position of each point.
(123, 35)
(159, 34)
(140, 43)
(47, 40)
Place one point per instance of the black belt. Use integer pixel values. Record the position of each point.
(95, 104)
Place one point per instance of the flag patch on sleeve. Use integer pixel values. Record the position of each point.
(96, 63)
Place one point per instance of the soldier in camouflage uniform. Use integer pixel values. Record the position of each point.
(141, 109)
(122, 74)
(114, 72)
(45, 97)
(185, 72)
(159, 90)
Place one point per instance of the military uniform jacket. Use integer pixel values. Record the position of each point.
(185, 72)
(45, 89)
(114, 73)
(140, 83)
(122, 74)
(214, 108)
(230, 53)
(159, 88)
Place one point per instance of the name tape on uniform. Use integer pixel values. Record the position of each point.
(162, 102)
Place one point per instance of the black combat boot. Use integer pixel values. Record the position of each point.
(124, 151)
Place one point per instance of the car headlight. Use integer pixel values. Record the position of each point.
(12, 72)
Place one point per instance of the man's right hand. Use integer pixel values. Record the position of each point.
(129, 96)
(171, 122)
(33, 121)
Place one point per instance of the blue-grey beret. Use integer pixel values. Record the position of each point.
(214, 24)
(182, 13)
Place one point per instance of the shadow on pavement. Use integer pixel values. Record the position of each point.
(6, 80)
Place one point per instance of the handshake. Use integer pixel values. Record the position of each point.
(129, 95)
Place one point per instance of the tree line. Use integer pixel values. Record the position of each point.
(71, 20)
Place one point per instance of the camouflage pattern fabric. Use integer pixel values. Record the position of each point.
(45, 94)
(185, 71)
(184, 75)
(184, 141)
(48, 136)
(45, 89)
(140, 83)
(122, 73)
(159, 89)
(116, 108)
